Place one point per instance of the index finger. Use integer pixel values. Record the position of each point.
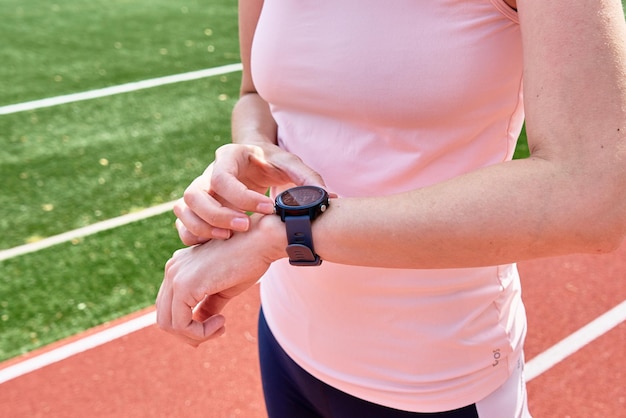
(232, 193)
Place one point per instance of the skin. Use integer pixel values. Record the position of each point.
(569, 196)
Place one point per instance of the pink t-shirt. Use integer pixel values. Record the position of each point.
(383, 97)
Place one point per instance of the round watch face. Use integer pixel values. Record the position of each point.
(302, 196)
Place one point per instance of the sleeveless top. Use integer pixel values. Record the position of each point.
(382, 97)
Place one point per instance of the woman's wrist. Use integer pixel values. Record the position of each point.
(269, 232)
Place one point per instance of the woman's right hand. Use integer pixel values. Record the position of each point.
(214, 205)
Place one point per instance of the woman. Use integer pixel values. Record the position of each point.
(407, 112)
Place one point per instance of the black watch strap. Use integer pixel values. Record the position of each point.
(300, 249)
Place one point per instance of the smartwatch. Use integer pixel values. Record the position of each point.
(297, 208)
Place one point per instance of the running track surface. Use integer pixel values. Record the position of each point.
(150, 374)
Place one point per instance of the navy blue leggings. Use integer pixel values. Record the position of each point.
(291, 392)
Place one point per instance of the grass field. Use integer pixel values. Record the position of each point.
(68, 166)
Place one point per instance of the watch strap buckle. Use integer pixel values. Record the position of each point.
(301, 255)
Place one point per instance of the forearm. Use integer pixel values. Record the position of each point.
(504, 213)
(570, 196)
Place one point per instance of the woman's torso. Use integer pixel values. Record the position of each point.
(380, 98)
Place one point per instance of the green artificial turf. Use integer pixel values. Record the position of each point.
(66, 46)
(62, 290)
(73, 165)
(69, 166)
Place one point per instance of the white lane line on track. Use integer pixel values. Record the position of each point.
(85, 231)
(75, 347)
(122, 88)
(574, 342)
(535, 367)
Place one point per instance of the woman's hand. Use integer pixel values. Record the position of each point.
(215, 203)
(199, 281)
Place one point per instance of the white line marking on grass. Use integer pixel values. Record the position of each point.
(575, 341)
(122, 88)
(75, 347)
(85, 231)
(93, 94)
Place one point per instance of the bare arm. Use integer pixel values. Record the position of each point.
(252, 121)
(569, 196)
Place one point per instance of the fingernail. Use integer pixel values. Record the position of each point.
(265, 208)
(240, 224)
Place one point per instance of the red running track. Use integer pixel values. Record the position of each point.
(151, 374)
